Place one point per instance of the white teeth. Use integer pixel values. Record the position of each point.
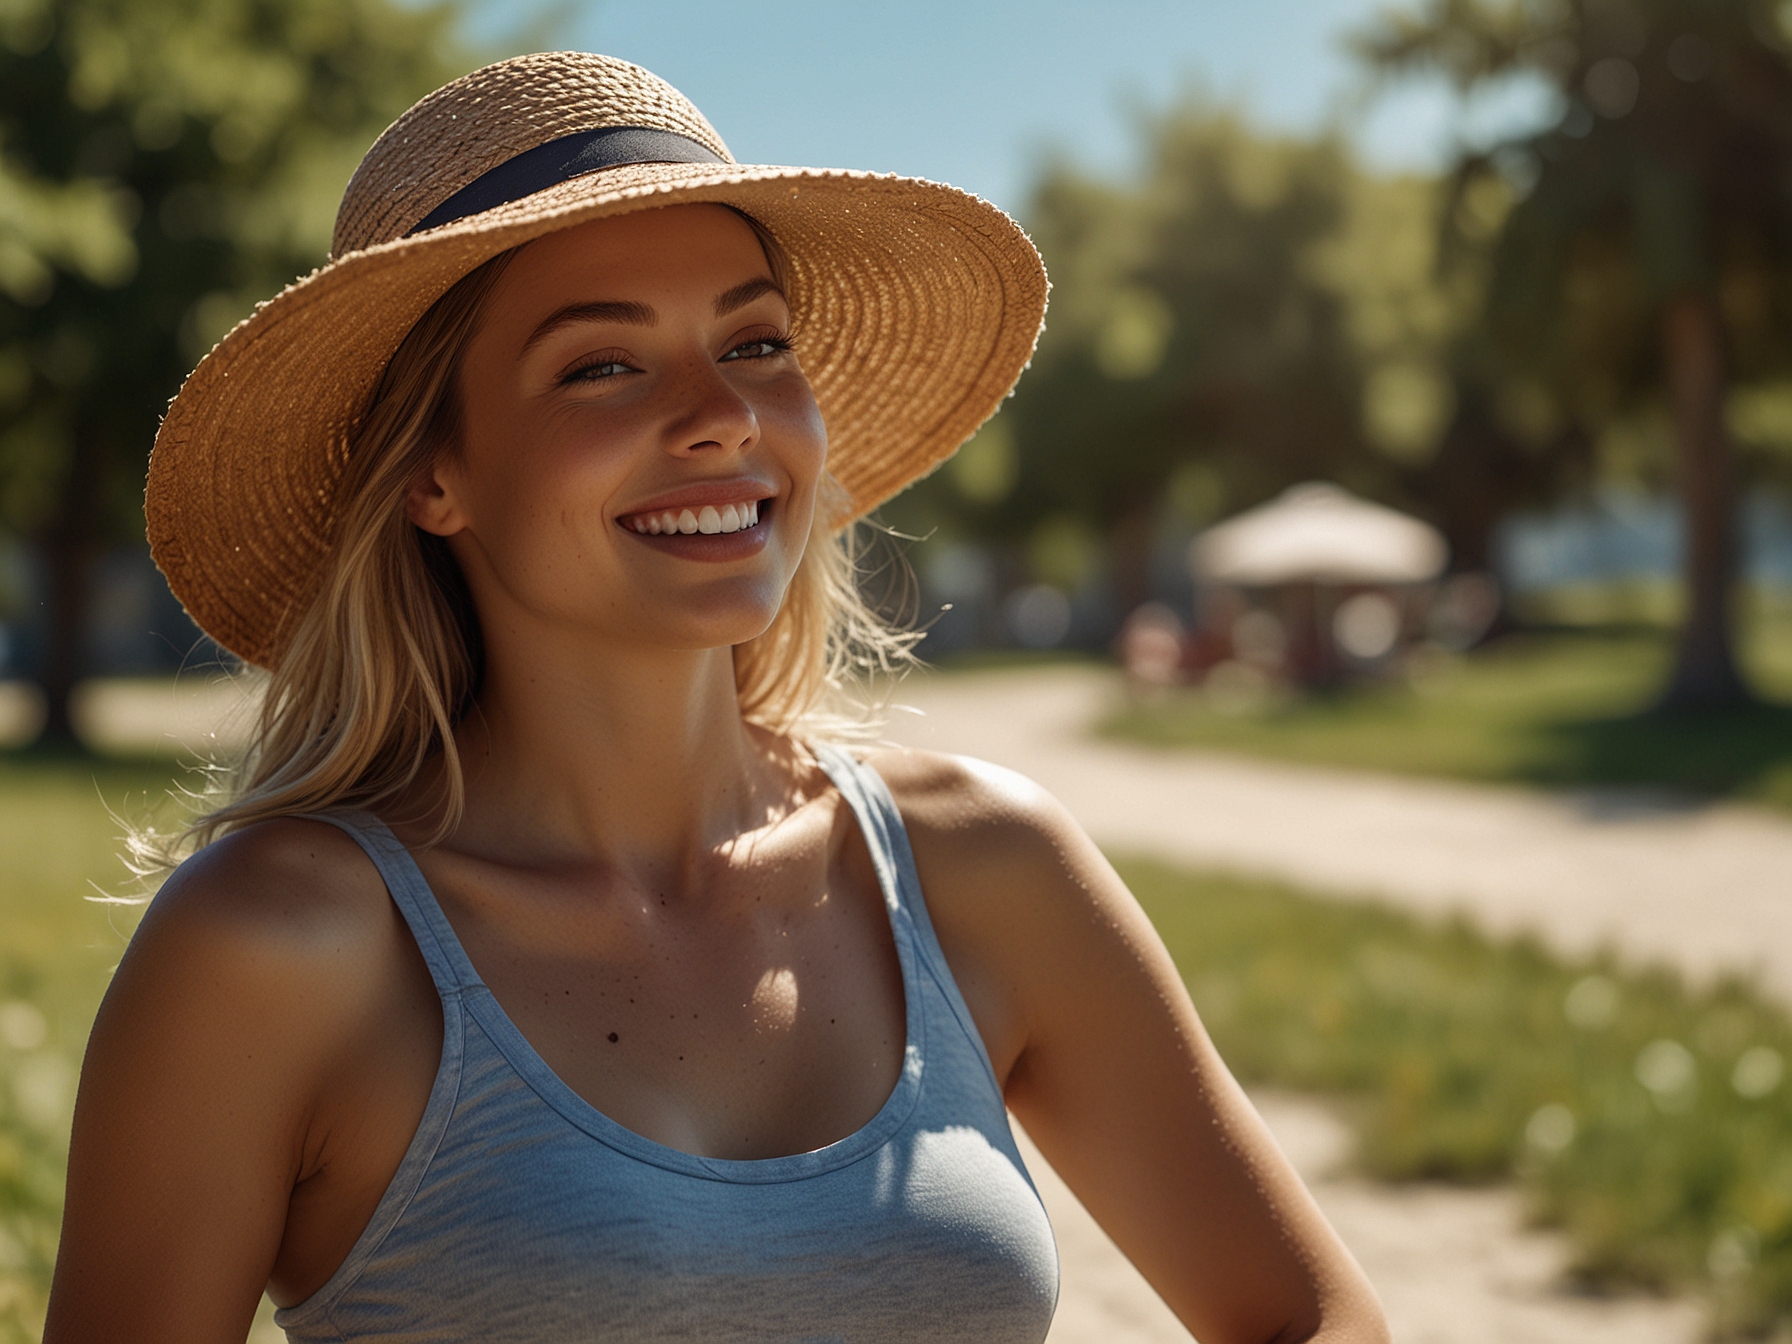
(708, 520)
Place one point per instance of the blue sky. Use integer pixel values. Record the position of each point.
(976, 92)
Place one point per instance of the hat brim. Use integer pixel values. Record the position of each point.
(915, 305)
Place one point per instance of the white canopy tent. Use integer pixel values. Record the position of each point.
(1318, 533)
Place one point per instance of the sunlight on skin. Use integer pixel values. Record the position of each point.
(775, 1000)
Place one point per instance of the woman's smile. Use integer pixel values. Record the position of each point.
(715, 531)
(707, 520)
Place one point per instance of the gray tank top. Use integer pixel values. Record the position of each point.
(522, 1215)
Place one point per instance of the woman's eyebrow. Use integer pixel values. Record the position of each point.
(743, 294)
(605, 310)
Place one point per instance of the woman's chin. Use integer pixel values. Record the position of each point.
(692, 628)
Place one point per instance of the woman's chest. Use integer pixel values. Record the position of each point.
(760, 1015)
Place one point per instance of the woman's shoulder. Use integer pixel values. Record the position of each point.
(287, 880)
(265, 918)
(262, 1029)
(266, 960)
(945, 797)
(983, 828)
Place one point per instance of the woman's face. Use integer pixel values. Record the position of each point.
(640, 449)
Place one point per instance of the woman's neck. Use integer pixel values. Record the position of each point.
(640, 760)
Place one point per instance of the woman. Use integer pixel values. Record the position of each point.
(549, 977)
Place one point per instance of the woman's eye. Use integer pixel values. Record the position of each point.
(606, 370)
(593, 373)
(762, 347)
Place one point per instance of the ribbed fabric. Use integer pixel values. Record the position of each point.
(522, 1215)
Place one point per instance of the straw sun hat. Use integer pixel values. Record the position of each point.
(915, 305)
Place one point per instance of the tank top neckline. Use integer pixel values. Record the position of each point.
(457, 981)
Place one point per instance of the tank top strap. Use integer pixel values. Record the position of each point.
(447, 960)
(869, 798)
(887, 838)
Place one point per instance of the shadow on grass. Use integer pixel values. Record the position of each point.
(1744, 752)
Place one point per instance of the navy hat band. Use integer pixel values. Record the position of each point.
(560, 160)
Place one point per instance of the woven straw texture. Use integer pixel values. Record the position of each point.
(915, 307)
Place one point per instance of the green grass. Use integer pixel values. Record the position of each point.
(57, 843)
(1559, 708)
(1647, 1119)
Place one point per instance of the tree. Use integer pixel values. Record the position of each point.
(1468, 442)
(1193, 337)
(1643, 267)
(163, 164)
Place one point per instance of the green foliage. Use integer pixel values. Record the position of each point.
(1564, 708)
(1653, 1122)
(1204, 316)
(163, 164)
(1189, 321)
(1251, 312)
(1661, 175)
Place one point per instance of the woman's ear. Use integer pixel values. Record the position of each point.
(430, 503)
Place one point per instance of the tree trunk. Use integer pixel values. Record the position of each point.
(1132, 537)
(1479, 476)
(67, 545)
(1705, 674)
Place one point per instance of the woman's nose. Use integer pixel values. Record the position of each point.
(714, 415)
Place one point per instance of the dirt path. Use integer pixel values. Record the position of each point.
(1700, 888)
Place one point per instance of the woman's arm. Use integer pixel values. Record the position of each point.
(1104, 1060)
(203, 1098)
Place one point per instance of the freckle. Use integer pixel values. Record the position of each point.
(614, 1038)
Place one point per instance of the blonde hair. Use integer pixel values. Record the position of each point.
(376, 671)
